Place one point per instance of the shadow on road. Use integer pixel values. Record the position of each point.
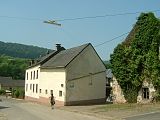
(2, 107)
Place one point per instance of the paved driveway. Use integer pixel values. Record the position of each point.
(20, 110)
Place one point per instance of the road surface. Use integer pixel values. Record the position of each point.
(11, 109)
(20, 110)
(146, 116)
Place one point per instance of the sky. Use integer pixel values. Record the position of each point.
(21, 21)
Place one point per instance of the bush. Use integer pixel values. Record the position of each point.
(131, 95)
(21, 93)
(157, 96)
(2, 92)
(18, 93)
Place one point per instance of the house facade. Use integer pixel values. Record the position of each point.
(74, 76)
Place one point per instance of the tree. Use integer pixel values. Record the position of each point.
(136, 59)
(107, 64)
(13, 67)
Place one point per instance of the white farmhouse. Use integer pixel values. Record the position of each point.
(74, 76)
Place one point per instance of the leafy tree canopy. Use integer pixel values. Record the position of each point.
(13, 67)
(137, 58)
(107, 64)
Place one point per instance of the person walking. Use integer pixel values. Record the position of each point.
(52, 101)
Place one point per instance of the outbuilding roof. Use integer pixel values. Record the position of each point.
(109, 73)
(8, 81)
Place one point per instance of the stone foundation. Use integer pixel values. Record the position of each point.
(86, 102)
(44, 100)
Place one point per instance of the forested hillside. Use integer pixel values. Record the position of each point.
(15, 58)
(20, 50)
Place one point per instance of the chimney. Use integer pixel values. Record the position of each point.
(32, 62)
(58, 46)
(47, 52)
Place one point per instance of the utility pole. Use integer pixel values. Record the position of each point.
(52, 22)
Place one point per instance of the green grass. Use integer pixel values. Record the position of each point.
(127, 107)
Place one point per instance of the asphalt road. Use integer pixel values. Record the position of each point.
(147, 116)
(11, 109)
(20, 110)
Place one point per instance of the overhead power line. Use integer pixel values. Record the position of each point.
(22, 18)
(106, 15)
(78, 18)
(111, 39)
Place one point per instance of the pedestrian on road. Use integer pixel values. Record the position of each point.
(52, 101)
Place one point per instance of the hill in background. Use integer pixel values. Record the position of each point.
(21, 51)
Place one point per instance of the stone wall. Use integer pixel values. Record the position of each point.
(152, 90)
(118, 96)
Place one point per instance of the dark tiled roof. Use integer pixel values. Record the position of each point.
(41, 59)
(63, 58)
(18, 83)
(8, 81)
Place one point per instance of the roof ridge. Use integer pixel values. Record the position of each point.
(64, 57)
(79, 46)
(79, 52)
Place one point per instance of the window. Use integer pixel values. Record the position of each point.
(145, 93)
(46, 91)
(27, 76)
(71, 85)
(33, 87)
(26, 87)
(34, 75)
(40, 90)
(37, 75)
(60, 93)
(108, 81)
(90, 81)
(30, 86)
(31, 75)
(36, 88)
(51, 91)
(61, 85)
